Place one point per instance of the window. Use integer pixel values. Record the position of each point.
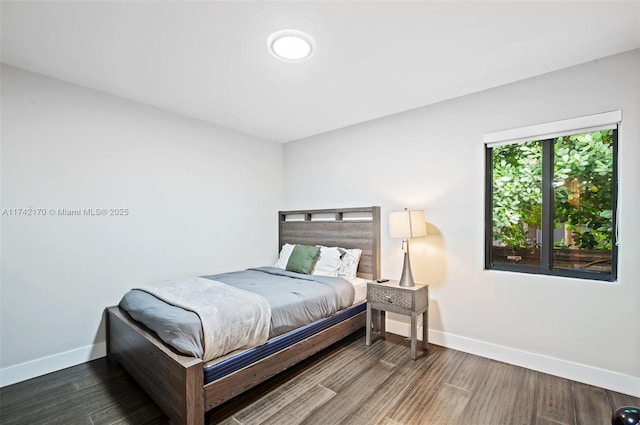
(551, 202)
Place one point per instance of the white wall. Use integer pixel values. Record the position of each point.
(432, 158)
(201, 199)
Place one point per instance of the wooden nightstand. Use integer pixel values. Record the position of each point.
(412, 301)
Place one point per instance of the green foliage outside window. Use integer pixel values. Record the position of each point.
(583, 188)
(517, 192)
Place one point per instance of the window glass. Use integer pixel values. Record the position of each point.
(517, 203)
(583, 191)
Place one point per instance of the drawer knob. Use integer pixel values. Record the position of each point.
(388, 299)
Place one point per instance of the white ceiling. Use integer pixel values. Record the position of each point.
(209, 60)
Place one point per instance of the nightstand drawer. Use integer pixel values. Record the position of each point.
(391, 296)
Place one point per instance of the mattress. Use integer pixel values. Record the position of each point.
(298, 301)
(235, 361)
(360, 288)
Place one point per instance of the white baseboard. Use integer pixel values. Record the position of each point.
(602, 378)
(31, 369)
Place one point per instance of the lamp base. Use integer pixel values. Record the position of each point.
(406, 279)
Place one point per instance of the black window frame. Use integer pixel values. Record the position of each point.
(546, 246)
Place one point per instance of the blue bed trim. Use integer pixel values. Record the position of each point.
(235, 363)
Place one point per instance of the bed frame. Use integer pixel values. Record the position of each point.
(176, 382)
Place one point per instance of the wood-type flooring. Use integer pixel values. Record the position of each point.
(347, 383)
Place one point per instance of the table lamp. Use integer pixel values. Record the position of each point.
(407, 224)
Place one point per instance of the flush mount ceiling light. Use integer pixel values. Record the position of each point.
(291, 45)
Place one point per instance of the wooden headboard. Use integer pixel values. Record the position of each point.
(342, 227)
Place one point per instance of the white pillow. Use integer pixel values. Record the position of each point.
(349, 264)
(285, 253)
(328, 262)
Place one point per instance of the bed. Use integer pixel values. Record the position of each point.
(185, 387)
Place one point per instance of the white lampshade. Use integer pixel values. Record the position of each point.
(407, 224)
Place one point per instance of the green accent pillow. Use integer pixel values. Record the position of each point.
(303, 259)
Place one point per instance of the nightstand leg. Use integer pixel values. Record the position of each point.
(368, 325)
(383, 324)
(425, 331)
(414, 335)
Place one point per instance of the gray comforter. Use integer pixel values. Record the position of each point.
(295, 299)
